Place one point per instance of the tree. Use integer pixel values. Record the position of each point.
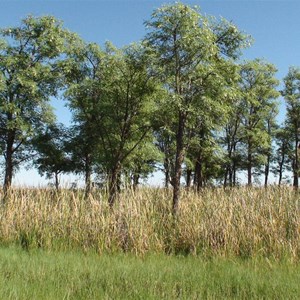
(284, 151)
(164, 126)
(230, 139)
(291, 93)
(129, 92)
(205, 156)
(271, 127)
(83, 75)
(83, 147)
(112, 101)
(27, 80)
(51, 158)
(258, 87)
(142, 162)
(187, 47)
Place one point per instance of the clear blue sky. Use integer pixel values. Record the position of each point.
(274, 25)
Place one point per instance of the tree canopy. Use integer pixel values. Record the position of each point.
(181, 100)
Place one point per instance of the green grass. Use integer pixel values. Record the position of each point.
(38, 274)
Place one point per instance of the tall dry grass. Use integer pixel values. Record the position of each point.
(239, 222)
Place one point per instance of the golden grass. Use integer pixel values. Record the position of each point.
(244, 222)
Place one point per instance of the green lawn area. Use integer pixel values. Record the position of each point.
(74, 275)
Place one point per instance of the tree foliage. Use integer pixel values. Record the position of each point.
(193, 56)
(258, 87)
(52, 157)
(291, 93)
(28, 79)
(180, 101)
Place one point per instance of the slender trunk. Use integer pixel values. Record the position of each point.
(225, 182)
(88, 175)
(249, 163)
(234, 174)
(267, 170)
(195, 175)
(119, 181)
(230, 177)
(281, 168)
(198, 178)
(249, 171)
(200, 164)
(114, 184)
(178, 161)
(234, 167)
(8, 162)
(267, 166)
(188, 178)
(136, 179)
(228, 166)
(57, 181)
(135, 182)
(280, 174)
(295, 181)
(199, 175)
(167, 173)
(266, 175)
(8, 171)
(296, 165)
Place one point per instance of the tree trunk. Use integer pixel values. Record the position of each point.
(88, 175)
(249, 173)
(281, 169)
(266, 175)
(230, 177)
(57, 181)
(234, 167)
(8, 162)
(267, 170)
(136, 179)
(267, 166)
(8, 172)
(198, 178)
(234, 174)
(188, 178)
(280, 174)
(114, 184)
(178, 162)
(226, 177)
(295, 181)
(249, 164)
(229, 164)
(167, 172)
(296, 165)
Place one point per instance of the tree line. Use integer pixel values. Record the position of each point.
(181, 100)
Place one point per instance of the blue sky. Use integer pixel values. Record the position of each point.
(274, 25)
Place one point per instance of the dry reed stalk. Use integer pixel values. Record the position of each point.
(241, 222)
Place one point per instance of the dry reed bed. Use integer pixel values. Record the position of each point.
(239, 222)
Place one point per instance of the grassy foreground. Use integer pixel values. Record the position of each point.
(39, 274)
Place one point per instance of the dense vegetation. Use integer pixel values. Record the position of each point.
(243, 222)
(182, 100)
